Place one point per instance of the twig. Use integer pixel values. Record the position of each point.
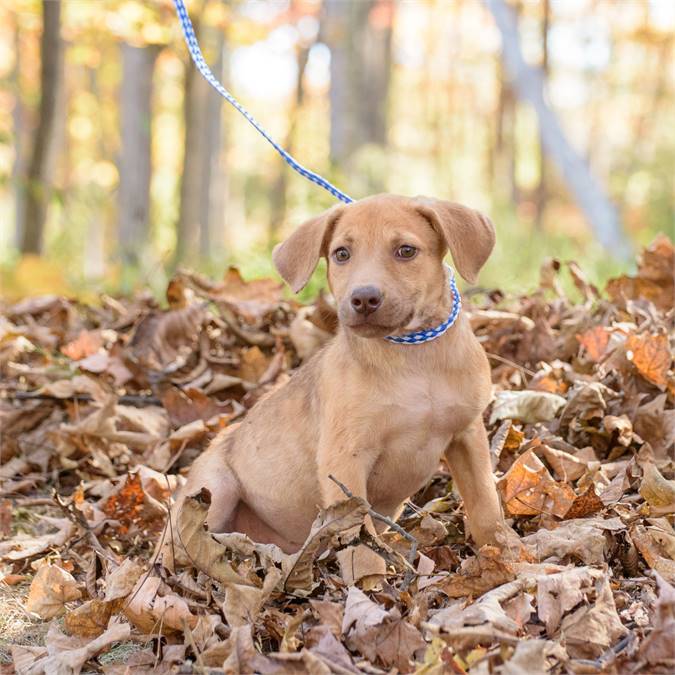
(508, 362)
(392, 525)
(125, 399)
(257, 338)
(78, 518)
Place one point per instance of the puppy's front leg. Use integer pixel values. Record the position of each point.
(352, 468)
(468, 457)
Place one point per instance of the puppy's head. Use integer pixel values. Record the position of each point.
(385, 258)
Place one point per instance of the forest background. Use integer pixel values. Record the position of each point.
(118, 163)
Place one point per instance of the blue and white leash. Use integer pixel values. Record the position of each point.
(203, 68)
(415, 338)
(429, 334)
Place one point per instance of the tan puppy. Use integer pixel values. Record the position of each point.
(378, 416)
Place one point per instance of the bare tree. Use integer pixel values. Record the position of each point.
(202, 139)
(541, 191)
(38, 179)
(135, 163)
(360, 46)
(587, 190)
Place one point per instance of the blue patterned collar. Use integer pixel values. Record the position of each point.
(429, 334)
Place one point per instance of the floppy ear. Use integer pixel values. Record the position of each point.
(297, 257)
(469, 235)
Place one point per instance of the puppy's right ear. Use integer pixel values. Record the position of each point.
(297, 257)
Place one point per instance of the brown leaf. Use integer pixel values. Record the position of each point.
(657, 490)
(339, 518)
(87, 343)
(594, 341)
(650, 552)
(393, 643)
(478, 575)
(659, 646)
(152, 605)
(121, 581)
(51, 588)
(656, 425)
(558, 593)
(203, 551)
(651, 356)
(585, 504)
(527, 406)
(24, 546)
(589, 631)
(90, 619)
(528, 489)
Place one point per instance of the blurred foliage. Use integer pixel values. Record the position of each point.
(450, 131)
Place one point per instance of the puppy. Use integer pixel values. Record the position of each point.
(375, 414)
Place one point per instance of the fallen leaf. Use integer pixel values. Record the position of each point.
(51, 588)
(594, 341)
(657, 490)
(651, 356)
(203, 551)
(90, 619)
(658, 648)
(590, 630)
(479, 574)
(650, 552)
(528, 489)
(339, 518)
(526, 406)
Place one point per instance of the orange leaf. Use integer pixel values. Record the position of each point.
(594, 341)
(528, 489)
(126, 506)
(86, 344)
(651, 356)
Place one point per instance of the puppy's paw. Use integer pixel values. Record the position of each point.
(360, 564)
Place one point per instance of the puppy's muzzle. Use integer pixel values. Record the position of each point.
(365, 300)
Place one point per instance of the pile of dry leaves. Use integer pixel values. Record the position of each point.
(103, 408)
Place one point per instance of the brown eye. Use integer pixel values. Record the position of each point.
(406, 252)
(341, 254)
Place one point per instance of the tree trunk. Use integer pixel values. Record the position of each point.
(541, 196)
(588, 192)
(278, 202)
(136, 155)
(358, 33)
(18, 124)
(202, 138)
(39, 170)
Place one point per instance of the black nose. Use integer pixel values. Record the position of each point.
(366, 299)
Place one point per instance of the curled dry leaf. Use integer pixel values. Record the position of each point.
(51, 588)
(582, 540)
(21, 547)
(341, 517)
(526, 406)
(202, 549)
(650, 551)
(657, 490)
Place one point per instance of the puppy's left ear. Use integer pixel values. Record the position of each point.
(468, 234)
(297, 257)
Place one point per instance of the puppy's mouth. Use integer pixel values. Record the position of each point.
(373, 326)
